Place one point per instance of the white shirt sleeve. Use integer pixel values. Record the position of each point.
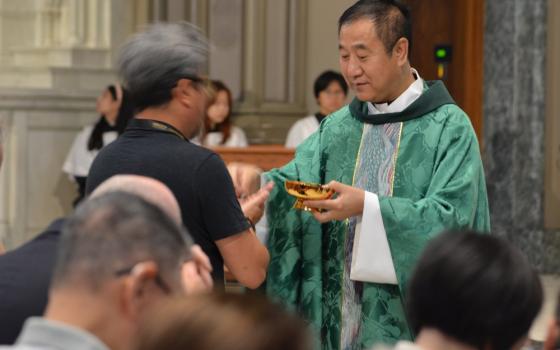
(294, 137)
(241, 139)
(371, 255)
(79, 158)
(237, 138)
(261, 227)
(69, 164)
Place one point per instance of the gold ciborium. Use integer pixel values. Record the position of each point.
(304, 191)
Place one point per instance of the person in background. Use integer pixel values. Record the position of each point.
(225, 322)
(471, 291)
(116, 109)
(218, 129)
(330, 90)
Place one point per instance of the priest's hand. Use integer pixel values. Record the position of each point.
(347, 202)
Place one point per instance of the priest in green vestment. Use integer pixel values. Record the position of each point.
(405, 163)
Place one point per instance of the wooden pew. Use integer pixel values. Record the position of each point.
(265, 157)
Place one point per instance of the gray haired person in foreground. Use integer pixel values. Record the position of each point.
(118, 256)
(163, 68)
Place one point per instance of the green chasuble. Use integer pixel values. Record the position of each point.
(423, 163)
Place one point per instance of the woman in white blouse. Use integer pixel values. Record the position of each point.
(330, 90)
(218, 129)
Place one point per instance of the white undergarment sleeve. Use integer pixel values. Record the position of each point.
(371, 255)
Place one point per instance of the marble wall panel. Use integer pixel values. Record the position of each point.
(514, 129)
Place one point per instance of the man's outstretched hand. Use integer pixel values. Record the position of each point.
(253, 205)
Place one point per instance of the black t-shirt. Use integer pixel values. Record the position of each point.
(197, 177)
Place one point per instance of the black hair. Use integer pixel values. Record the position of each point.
(125, 113)
(475, 288)
(325, 79)
(391, 19)
(114, 231)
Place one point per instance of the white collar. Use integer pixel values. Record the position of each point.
(404, 100)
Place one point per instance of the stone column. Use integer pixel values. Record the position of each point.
(75, 31)
(64, 45)
(55, 58)
(514, 125)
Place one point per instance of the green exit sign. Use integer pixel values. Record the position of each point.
(443, 53)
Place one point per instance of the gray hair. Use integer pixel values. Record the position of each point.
(152, 61)
(113, 232)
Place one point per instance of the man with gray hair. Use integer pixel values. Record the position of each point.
(118, 257)
(196, 273)
(162, 68)
(25, 272)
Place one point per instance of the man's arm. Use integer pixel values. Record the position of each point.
(226, 221)
(244, 255)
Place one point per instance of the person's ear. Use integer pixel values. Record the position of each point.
(185, 92)
(400, 51)
(137, 287)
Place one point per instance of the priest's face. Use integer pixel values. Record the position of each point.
(371, 72)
